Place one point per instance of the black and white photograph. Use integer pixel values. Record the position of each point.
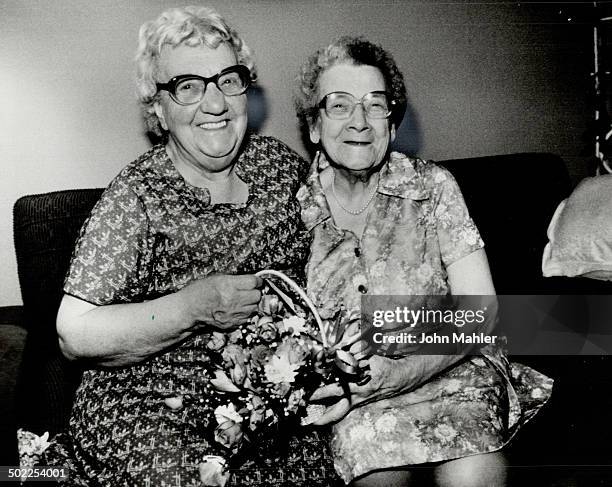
(306, 243)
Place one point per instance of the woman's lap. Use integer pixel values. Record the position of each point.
(161, 446)
(458, 414)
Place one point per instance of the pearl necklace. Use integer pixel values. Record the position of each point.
(360, 210)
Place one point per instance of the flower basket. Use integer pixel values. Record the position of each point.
(263, 372)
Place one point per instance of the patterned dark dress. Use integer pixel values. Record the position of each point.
(150, 234)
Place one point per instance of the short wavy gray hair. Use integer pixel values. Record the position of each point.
(352, 50)
(191, 26)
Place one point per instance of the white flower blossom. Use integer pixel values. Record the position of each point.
(32, 444)
(279, 370)
(225, 413)
(297, 323)
(213, 471)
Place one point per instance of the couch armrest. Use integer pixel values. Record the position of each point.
(45, 229)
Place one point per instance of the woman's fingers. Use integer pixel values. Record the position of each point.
(359, 350)
(249, 297)
(334, 413)
(364, 380)
(364, 364)
(325, 392)
(247, 282)
(223, 301)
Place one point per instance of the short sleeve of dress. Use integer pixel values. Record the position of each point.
(109, 261)
(457, 233)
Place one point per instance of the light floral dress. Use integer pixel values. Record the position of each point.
(417, 226)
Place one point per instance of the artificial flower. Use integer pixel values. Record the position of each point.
(280, 369)
(223, 383)
(295, 325)
(281, 389)
(267, 329)
(295, 350)
(234, 354)
(235, 336)
(213, 471)
(260, 355)
(295, 400)
(229, 434)
(174, 403)
(32, 444)
(269, 304)
(216, 341)
(258, 412)
(239, 373)
(227, 413)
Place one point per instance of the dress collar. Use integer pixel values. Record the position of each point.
(243, 167)
(400, 177)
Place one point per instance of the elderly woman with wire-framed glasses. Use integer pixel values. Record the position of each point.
(168, 258)
(383, 223)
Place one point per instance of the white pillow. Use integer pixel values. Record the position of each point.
(580, 233)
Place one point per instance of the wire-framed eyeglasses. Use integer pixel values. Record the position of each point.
(187, 89)
(340, 105)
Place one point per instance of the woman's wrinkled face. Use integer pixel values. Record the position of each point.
(206, 134)
(358, 142)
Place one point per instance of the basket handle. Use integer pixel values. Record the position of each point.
(302, 294)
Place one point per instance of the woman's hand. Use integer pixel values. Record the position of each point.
(388, 378)
(469, 275)
(222, 301)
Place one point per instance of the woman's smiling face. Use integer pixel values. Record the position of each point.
(207, 135)
(357, 143)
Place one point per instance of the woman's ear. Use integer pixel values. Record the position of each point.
(315, 132)
(159, 111)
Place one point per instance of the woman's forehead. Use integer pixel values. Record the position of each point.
(357, 80)
(201, 60)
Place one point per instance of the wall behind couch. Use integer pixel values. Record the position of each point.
(484, 78)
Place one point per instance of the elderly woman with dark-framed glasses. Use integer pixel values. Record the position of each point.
(387, 224)
(187, 89)
(168, 256)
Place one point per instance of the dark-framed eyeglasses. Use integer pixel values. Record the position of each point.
(187, 89)
(340, 105)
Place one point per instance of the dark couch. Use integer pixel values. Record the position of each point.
(511, 198)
